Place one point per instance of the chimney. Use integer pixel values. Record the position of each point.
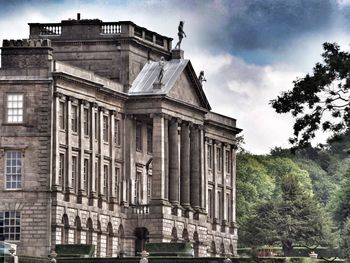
(78, 16)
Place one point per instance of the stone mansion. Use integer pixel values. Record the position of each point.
(104, 142)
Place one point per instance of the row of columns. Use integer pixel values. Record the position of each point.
(177, 165)
(96, 145)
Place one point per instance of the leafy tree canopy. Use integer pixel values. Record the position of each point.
(319, 100)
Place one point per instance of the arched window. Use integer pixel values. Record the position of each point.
(77, 231)
(196, 244)
(185, 236)
(65, 230)
(90, 231)
(213, 249)
(174, 237)
(121, 240)
(222, 249)
(109, 240)
(98, 245)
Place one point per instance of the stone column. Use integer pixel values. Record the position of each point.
(100, 150)
(56, 183)
(174, 182)
(225, 190)
(158, 171)
(185, 165)
(69, 148)
(205, 176)
(112, 145)
(92, 179)
(194, 167)
(233, 182)
(166, 157)
(80, 175)
(215, 187)
(202, 171)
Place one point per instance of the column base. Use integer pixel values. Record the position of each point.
(160, 206)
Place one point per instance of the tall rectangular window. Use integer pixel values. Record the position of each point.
(10, 225)
(219, 202)
(61, 170)
(86, 175)
(229, 207)
(61, 115)
(228, 161)
(138, 188)
(13, 170)
(105, 180)
(15, 108)
(209, 156)
(96, 126)
(210, 204)
(74, 173)
(105, 128)
(86, 122)
(149, 188)
(138, 137)
(117, 132)
(97, 177)
(149, 139)
(219, 159)
(74, 118)
(116, 183)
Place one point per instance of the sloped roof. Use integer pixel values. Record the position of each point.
(143, 84)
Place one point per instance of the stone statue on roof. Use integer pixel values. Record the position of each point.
(181, 34)
(201, 77)
(161, 72)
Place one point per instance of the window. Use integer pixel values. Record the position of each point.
(219, 202)
(86, 122)
(74, 173)
(15, 108)
(138, 137)
(228, 162)
(117, 132)
(149, 139)
(13, 170)
(74, 118)
(210, 203)
(61, 170)
(116, 183)
(149, 188)
(105, 128)
(105, 180)
(96, 126)
(210, 158)
(219, 159)
(229, 207)
(97, 177)
(86, 175)
(137, 195)
(61, 115)
(10, 225)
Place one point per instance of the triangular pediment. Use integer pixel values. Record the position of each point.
(184, 90)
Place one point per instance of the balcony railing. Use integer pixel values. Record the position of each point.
(140, 209)
(111, 28)
(50, 29)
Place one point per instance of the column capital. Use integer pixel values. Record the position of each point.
(113, 112)
(58, 94)
(95, 105)
(206, 139)
(84, 103)
(159, 114)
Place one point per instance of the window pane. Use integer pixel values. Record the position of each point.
(15, 108)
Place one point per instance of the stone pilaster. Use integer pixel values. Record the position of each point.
(194, 167)
(174, 180)
(69, 186)
(185, 165)
(92, 179)
(56, 183)
(112, 154)
(80, 174)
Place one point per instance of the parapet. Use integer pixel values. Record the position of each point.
(26, 43)
(26, 53)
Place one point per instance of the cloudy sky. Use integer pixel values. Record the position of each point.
(250, 50)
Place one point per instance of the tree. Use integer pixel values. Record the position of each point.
(294, 219)
(320, 100)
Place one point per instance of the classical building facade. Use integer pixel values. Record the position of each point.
(103, 142)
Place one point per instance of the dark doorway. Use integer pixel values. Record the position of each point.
(142, 237)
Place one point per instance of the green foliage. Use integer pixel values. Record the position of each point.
(345, 241)
(323, 93)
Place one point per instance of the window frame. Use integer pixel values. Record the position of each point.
(15, 219)
(6, 174)
(62, 115)
(74, 121)
(149, 139)
(86, 122)
(138, 136)
(6, 98)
